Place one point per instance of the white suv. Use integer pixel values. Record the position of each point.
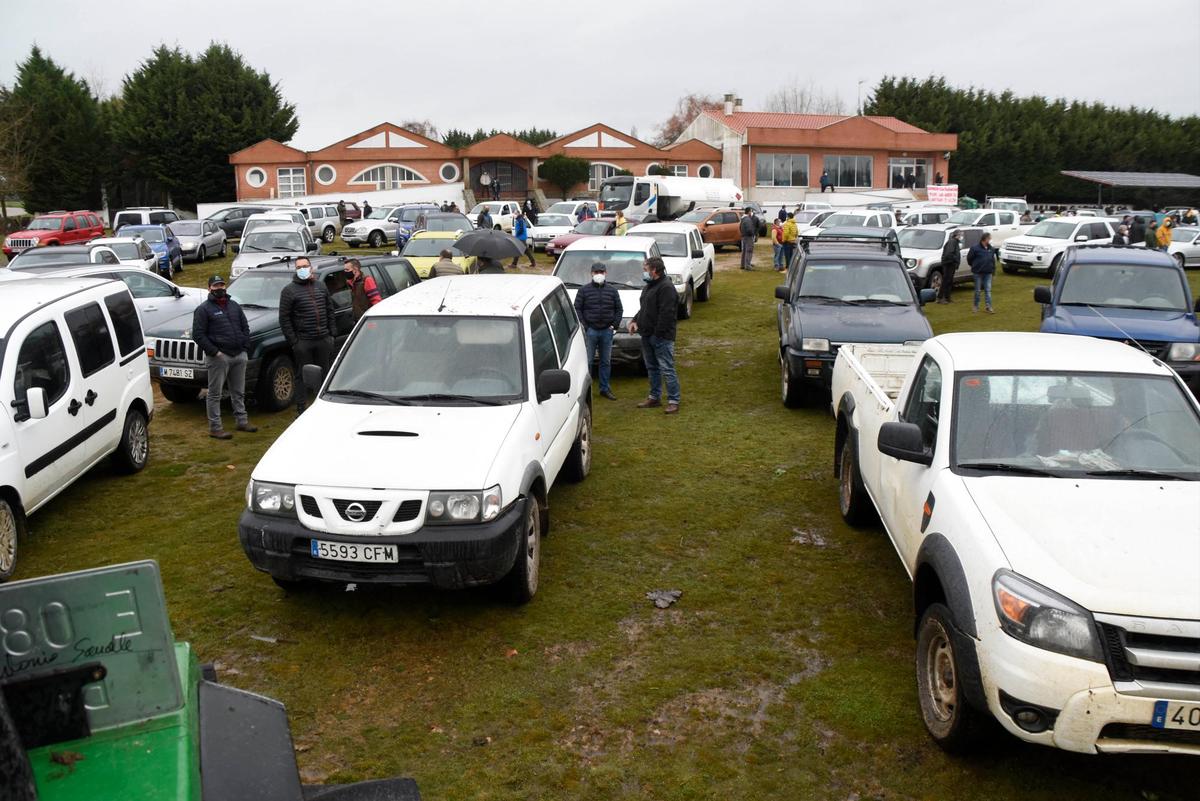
(74, 387)
(323, 220)
(503, 213)
(1042, 246)
(430, 452)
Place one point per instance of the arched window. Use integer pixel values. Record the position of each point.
(600, 171)
(388, 176)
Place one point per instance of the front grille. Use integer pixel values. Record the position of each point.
(408, 510)
(178, 350)
(1138, 656)
(309, 504)
(369, 507)
(21, 244)
(1016, 247)
(1134, 731)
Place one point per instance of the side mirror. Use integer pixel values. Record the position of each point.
(710, 222)
(176, 291)
(1041, 294)
(697, 254)
(313, 247)
(904, 441)
(781, 292)
(552, 382)
(35, 400)
(235, 248)
(312, 376)
(1081, 238)
(927, 296)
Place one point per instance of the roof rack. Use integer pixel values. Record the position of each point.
(883, 239)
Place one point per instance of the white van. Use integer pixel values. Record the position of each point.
(664, 198)
(74, 389)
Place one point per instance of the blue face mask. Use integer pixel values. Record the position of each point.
(304, 273)
(646, 276)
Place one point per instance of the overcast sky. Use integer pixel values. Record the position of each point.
(564, 65)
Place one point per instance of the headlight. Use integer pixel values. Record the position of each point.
(463, 507)
(271, 499)
(1184, 352)
(1040, 249)
(814, 343)
(911, 263)
(1035, 615)
(676, 279)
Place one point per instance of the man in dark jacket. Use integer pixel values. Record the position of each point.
(982, 259)
(655, 321)
(484, 221)
(951, 255)
(1137, 230)
(219, 327)
(826, 182)
(599, 308)
(748, 231)
(1121, 237)
(364, 292)
(306, 314)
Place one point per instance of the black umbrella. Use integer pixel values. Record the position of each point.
(489, 244)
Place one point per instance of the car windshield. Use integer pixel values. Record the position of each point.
(46, 224)
(1075, 424)
(410, 215)
(259, 288)
(553, 219)
(440, 223)
(430, 360)
(624, 267)
(563, 207)
(378, 214)
(423, 246)
(802, 217)
(481, 207)
(615, 196)
(149, 234)
(1184, 235)
(273, 242)
(696, 215)
(593, 227)
(964, 217)
(856, 282)
(126, 250)
(1124, 286)
(45, 255)
(844, 220)
(922, 239)
(1049, 229)
(669, 243)
(186, 228)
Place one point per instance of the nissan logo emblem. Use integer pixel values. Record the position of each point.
(356, 512)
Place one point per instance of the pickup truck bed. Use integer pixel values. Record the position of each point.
(886, 367)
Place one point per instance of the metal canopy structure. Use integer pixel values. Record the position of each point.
(1153, 180)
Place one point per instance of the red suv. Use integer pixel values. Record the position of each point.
(55, 228)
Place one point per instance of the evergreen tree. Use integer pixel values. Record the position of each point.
(564, 172)
(62, 171)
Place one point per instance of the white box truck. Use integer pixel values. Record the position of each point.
(648, 198)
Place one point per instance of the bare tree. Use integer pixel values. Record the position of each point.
(797, 98)
(687, 109)
(17, 149)
(425, 128)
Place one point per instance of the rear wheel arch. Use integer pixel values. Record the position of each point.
(845, 428)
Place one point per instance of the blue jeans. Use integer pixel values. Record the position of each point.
(601, 338)
(983, 281)
(778, 255)
(659, 356)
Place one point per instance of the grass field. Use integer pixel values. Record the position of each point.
(784, 671)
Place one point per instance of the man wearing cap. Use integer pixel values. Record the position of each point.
(599, 308)
(219, 327)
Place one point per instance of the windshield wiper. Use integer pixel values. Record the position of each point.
(446, 396)
(821, 297)
(252, 247)
(877, 302)
(1005, 467)
(1131, 472)
(362, 393)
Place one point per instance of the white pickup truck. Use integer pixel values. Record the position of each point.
(688, 260)
(1044, 496)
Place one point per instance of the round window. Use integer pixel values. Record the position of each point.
(705, 171)
(326, 174)
(256, 176)
(449, 172)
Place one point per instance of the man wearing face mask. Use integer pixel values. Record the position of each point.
(306, 314)
(219, 327)
(364, 293)
(655, 321)
(599, 308)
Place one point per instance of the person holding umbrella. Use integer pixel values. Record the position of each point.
(491, 247)
(521, 232)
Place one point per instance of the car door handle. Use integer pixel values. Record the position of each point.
(90, 397)
(74, 406)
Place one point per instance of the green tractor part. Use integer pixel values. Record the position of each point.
(98, 701)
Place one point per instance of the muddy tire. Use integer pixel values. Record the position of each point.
(791, 389)
(949, 718)
(277, 386)
(134, 449)
(12, 530)
(705, 291)
(853, 502)
(579, 460)
(685, 305)
(521, 583)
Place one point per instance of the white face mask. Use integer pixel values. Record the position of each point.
(597, 278)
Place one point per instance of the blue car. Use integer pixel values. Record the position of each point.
(164, 244)
(408, 218)
(848, 286)
(1131, 295)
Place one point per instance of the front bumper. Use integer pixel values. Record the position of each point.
(1092, 717)
(1027, 261)
(627, 348)
(450, 557)
(813, 368)
(354, 239)
(199, 378)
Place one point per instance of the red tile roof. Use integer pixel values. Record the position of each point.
(741, 120)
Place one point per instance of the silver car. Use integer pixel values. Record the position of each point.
(921, 247)
(1185, 246)
(157, 300)
(377, 230)
(199, 239)
(323, 220)
(272, 243)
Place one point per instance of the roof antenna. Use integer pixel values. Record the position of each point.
(1129, 340)
(442, 305)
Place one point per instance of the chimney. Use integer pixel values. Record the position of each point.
(737, 104)
(729, 105)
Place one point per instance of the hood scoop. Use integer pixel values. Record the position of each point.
(386, 433)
